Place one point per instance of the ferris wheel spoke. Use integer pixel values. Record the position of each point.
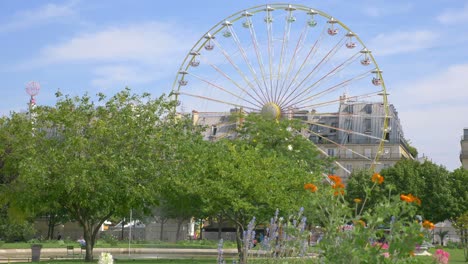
(240, 72)
(312, 51)
(217, 101)
(258, 54)
(345, 130)
(351, 98)
(284, 45)
(338, 145)
(269, 24)
(225, 75)
(246, 59)
(292, 63)
(317, 67)
(219, 87)
(336, 163)
(334, 114)
(328, 90)
(331, 73)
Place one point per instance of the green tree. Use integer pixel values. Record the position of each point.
(428, 181)
(263, 169)
(461, 225)
(94, 160)
(458, 180)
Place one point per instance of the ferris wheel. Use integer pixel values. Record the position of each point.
(289, 61)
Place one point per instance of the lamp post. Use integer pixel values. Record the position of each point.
(32, 88)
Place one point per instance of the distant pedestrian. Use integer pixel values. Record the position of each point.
(81, 241)
(59, 237)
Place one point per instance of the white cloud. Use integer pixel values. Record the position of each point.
(433, 110)
(445, 88)
(42, 14)
(126, 55)
(403, 42)
(148, 42)
(123, 75)
(454, 16)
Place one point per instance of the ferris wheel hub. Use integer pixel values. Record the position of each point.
(271, 111)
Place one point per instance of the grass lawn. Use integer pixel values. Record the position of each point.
(456, 256)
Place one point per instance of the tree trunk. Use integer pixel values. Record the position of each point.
(51, 227)
(122, 233)
(161, 230)
(179, 225)
(220, 226)
(240, 248)
(87, 233)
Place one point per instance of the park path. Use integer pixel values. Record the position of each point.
(24, 255)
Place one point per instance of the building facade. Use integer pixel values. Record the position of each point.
(352, 135)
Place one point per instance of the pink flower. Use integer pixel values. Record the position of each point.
(441, 256)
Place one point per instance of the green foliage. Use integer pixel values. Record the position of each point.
(428, 181)
(459, 189)
(461, 225)
(13, 231)
(264, 168)
(92, 159)
(109, 239)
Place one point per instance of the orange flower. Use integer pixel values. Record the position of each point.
(336, 179)
(339, 192)
(338, 185)
(357, 200)
(409, 198)
(311, 187)
(406, 198)
(377, 178)
(339, 188)
(428, 225)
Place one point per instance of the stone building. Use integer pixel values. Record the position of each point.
(352, 135)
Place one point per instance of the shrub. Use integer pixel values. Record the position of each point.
(15, 232)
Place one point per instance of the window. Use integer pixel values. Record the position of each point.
(368, 108)
(214, 129)
(367, 125)
(331, 152)
(348, 124)
(334, 124)
(368, 152)
(386, 153)
(349, 154)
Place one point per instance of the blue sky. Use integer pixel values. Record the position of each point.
(81, 46)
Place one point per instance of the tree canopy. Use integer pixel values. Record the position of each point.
(94, 160)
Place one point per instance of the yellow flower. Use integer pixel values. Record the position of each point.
(357, 200)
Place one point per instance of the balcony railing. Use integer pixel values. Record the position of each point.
(358, 157)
